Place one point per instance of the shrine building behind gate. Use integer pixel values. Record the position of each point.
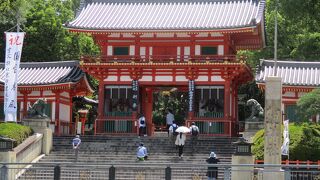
(188, 45)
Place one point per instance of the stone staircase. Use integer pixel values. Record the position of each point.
(96, 152)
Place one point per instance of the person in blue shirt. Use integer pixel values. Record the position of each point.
(142, 153)
(76, 145)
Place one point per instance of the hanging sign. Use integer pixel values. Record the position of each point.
(191, 95)
(14, 42)
(135, 93)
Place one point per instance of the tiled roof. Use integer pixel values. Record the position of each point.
(293, 73)
(45, 73)
(168, 15)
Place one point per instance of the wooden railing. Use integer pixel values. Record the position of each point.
(158, 59)
(115, 126)
(217, 127)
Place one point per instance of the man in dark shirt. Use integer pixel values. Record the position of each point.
(212, 171)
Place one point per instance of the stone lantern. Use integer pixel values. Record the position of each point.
(243, 148)
(83, 117)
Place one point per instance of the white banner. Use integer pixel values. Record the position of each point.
(286, 141)
(14, 42)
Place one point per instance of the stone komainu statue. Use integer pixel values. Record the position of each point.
(257, 112)
(38, 108)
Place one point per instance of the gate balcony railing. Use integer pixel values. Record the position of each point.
(158, 59)
(115, 126)
(151, 171)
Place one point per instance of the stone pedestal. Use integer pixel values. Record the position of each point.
(273, 135)
(41, 125)
(245, 172)
(251, 128)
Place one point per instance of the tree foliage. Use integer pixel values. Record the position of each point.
(46, 38)
(309, 104)
(303, 140)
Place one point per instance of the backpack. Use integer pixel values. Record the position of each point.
(194, 131)
(174, 128)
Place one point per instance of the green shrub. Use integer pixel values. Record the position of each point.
(15, 131)
(304, 142)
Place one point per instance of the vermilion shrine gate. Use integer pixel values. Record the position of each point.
(184, 44)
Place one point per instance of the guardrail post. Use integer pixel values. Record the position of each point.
(287, 174)
(4, 172)
(168, 173)
(226, 173)
(57, 172)
(112, 173)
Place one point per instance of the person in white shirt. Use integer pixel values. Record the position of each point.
(76, 144)
(142, 125)
(180, 141)
(169, 119)
(142, 153)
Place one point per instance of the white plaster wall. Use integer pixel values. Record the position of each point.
(53, 112)
(64, 114)
(220, 50)
(187, 50)
(217, 78)
(202, 78)
(48, 93)
(181, 78)
(127, 35)
(132, 49)
(165, 34)
(111, 78)
(289, 94)
(125, 78)
(163, 78)
(109, 51)
(64, 94)
(150, 50)
(34, 93)
(301, 94)
(146, 78)
(114, 35)
(197, 50)
(142, 51)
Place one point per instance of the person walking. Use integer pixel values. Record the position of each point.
(142, 125)
(169, 119)
(76, 145)
(212, 172)
(172, 131)
(180, 141)
(194, 130)
(142, 153)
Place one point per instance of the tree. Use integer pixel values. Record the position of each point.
(309, 104)
(46, 38)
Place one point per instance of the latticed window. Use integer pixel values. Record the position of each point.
(118, 100)
(209, 101)
(209, 50)
(118, 51)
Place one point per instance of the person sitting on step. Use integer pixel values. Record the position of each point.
(142, 153)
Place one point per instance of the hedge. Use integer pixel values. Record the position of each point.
(15, 131)
(304, 142)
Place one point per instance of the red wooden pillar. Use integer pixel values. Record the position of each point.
(227, 128)
(71, 94)
(148, 110)
(101, 99)
(25, 102)
(57, 111)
